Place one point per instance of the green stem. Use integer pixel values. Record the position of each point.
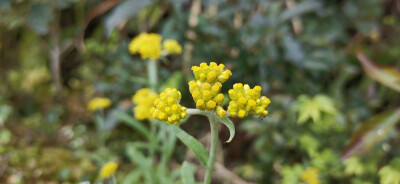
(152, 74)
(213, 148)
(153, 82)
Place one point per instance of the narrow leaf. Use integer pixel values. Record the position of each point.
(137, 157)
(384, 75)
(304, 7)
(187, 173)
(193, 144)
(228, 123)
(124, 11)
(370, 133)
(132, 177)
(130, 121)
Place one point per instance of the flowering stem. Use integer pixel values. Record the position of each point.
(152, 74)
(190, 111)
(112, 180)
(213, 148)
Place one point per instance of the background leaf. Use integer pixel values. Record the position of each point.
(303, 7)
(187, 173)
(228, 123)
(123, 11)
(370, 133)
(135, 124)
(39, 17)
(384, 75)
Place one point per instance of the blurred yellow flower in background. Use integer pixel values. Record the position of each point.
(148, 45)
(144, 100)
(108, 169)
(310, 176)
(98, 104)
(172, 46)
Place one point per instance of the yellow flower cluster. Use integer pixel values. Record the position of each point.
(245, 100)
(167, 108)
(310, 176)
(98, 104)
(148, 45)
(108, 169)
(172, 46)
(144, 100)
(206, 89)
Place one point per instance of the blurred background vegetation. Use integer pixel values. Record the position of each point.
(330, 110)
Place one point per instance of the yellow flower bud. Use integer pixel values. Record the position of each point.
(206, 89)
(245, 100)
(211, 73)
(220, 112)
(168, 108)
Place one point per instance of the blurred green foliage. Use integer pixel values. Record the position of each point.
(301, 52)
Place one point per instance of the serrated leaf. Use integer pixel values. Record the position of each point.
(39, 17)
(228, 123)
(124, 11)
(371, 132)
(313, 108)
(135, 124)
(384, 75)
(187, 173)
(193, 144)
(353, 166)
(389, 175)
(325, 104)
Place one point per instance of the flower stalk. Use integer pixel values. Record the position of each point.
(213, 148)
(152, 74)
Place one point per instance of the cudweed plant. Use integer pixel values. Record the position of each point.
(207, 95)
(160, 140)
(206, 92)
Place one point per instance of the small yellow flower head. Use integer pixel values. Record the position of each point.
(98, 104)
(211, 73)
(144, 100)
(207, 96)
(245, 100)
(310, 176)
(108, 169)
(206, 89)
(167, 108)
(148, 45)
(172, 47)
